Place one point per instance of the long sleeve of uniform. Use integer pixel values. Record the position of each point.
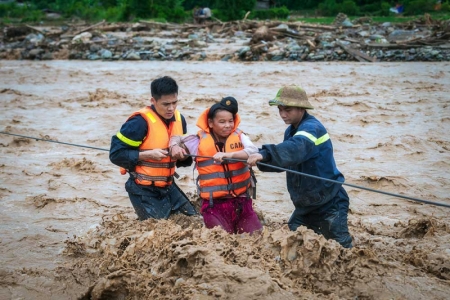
(294, 150)
(306, 149)
(124, 152)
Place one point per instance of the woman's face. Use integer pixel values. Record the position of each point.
(222, 124)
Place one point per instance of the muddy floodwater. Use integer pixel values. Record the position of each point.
(68, 231)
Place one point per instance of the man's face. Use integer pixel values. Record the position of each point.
(291, 115)
(166, 105)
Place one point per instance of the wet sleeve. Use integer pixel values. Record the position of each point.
(292, 151)
(184, 163)
(124, 150)
(266, 159)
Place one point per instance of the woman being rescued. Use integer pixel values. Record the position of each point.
(223, 183)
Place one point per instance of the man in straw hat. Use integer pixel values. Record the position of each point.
(319, 205)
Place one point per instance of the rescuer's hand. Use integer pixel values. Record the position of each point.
(254, 158)
(177, 152)
(219, 156)
(155, 154)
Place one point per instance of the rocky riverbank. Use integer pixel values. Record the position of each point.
(423, 39)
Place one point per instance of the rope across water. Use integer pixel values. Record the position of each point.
(262, 164)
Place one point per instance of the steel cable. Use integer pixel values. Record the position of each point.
(260, 163)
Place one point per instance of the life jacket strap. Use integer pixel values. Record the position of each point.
(211, 202)
(142, 177)
(166, 165)
(253, 182)
(225, 187)
(210, 162)
(225, 174)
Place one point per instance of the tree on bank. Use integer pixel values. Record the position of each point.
(225, 10)
(234, 9)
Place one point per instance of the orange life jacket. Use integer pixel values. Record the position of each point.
(153, 172)
(215, 180)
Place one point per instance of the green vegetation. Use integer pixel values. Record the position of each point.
(393, 19)
(11, 11)
(234, 9)
(329, 20)
(180, 11)
(273, 13)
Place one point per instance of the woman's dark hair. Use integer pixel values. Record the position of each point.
(228, 103)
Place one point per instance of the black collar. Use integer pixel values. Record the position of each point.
(167, 121)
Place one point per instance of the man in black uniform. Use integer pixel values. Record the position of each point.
(141, 148)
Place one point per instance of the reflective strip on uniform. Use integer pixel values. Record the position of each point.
(127, 140)
(316, 141)
(151, 117)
